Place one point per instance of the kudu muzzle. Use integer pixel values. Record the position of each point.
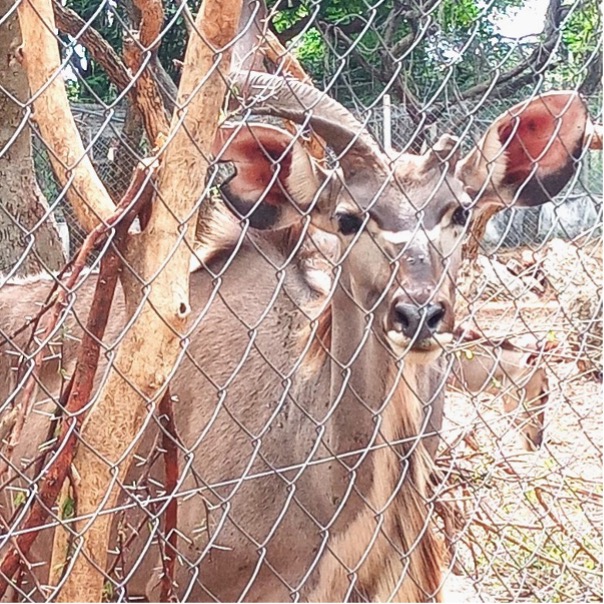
(420, 311)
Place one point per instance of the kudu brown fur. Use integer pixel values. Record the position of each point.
(300, 417)
(513, 373)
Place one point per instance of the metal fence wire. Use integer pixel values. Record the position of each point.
(301, 300)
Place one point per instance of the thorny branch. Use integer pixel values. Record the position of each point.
(81, 383)
(170, 448)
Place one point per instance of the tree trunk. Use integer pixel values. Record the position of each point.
(23, 245)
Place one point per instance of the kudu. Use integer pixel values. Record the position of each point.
(299, 414)
(512, 373)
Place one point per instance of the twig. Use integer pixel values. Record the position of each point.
(550, 513)
(169, 444)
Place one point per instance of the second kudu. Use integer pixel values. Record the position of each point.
(300, 414)
(513, 374)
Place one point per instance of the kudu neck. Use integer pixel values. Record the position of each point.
(364, 373)
(360, 361)
(377, 417)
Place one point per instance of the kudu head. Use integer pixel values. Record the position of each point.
(400, 220)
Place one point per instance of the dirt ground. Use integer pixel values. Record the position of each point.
(529, 525)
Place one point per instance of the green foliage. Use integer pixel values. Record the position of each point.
(19, 498)
(312, 53)
(68, 508)
(93, 84)
(74, 90)
(108, 594)
(581, 35)
(459, 45)
(286, 19)
(582, 30)
(461, 37)
(456, 14)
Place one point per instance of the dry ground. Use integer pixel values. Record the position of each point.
(530, 527)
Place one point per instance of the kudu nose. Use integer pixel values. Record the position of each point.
(418, 322)
(537, 440)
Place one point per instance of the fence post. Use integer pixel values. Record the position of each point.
(387, 117)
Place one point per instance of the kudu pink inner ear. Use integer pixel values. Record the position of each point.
(542, 142)
(262, 158)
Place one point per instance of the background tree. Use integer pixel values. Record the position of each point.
(431, 42)
(430, 55)
(29, 239)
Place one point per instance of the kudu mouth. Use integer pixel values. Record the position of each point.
(421, 350)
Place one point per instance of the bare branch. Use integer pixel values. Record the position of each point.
(147, 97)
(140, 53)
(160, 256)
(145, 93)
(277, 54)
(165, 85)
(252, 28)
(69, 22)
(152, 20)
(517, 77)
(86, 193)
(297, 28)
(405, 44)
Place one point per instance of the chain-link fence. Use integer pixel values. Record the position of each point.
(101, 130)
(301, 301)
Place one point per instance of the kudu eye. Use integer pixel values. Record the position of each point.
(460, 217)
(349, 224)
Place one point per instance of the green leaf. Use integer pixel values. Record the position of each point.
(68, 508)
(19, 498)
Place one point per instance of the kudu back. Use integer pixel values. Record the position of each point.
(286, 395)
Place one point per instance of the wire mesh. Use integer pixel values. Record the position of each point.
(358, 407)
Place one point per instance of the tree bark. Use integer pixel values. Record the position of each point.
(29, 240)
(161, 258)
(73, 169)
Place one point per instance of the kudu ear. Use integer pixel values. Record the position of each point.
(445, 149)
(529, 153)
(275, 180)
